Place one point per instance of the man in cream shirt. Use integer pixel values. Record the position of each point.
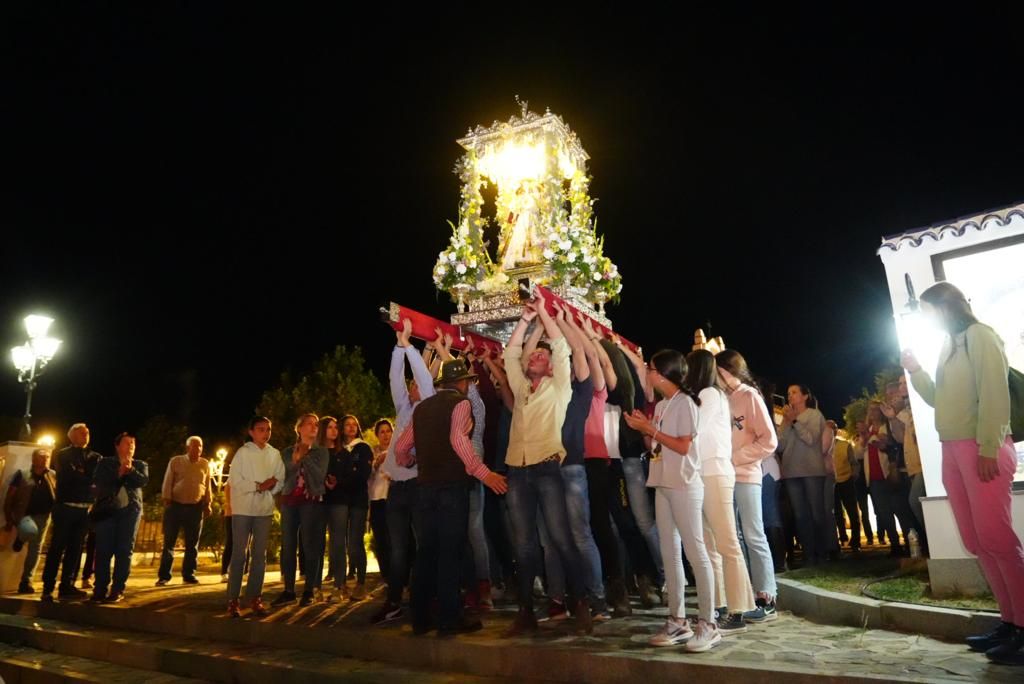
(257, 474)
(542, 392)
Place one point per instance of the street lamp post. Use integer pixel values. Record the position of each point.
(31, 358)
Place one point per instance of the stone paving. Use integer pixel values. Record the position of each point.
(787, 645)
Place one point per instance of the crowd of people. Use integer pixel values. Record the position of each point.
(571, 463)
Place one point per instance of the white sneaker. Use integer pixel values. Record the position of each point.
(224, 579)
(705, 638)
(672, 633)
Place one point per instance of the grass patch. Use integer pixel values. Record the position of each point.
(916, 589)
(851, 574)
(848, 575)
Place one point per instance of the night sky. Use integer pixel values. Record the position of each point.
(205, 199)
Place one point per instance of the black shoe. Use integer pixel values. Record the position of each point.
(98, 596)
(283, 598)
(70, 593)
(47, 597)
(307, 598)
(463, 627)
(733, 624)
(982, 643)
(190, 580)
(389, 612)
(1011, 651)
(17, 545)
(114, 597)
(26, 588)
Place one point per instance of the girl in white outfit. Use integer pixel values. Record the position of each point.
(679, 497)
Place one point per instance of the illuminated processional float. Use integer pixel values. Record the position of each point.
(546, 233)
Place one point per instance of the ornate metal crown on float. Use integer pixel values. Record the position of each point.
(543, 220)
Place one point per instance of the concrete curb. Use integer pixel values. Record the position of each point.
(829, 607)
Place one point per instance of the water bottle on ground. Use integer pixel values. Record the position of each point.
(915, 544)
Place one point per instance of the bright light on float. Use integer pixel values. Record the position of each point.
(513, 163)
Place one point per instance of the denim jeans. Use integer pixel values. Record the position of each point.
(115, 539)
(441, 521)
(846, 497)
(69, 527)
(899, 493)
(246, 528)
(865, 514)
(748, 499)
(308, 517)
(577, 502)
(770, 502)
(346, 525)
(36, 532)
(643, 510)
(402, 497)
(541, 486)
(806, 496)
(177, 517)
(554, 572)
(475, 531)
(831, 536)
(916, 492)
(640, 558)
(229, 547)
(881, 499)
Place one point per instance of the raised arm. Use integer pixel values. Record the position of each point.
(501, 380)
(610, 376)
(550, 327)
(637, 359)
(396, 373)
(530, 345)
(513, 355)
(580, 366)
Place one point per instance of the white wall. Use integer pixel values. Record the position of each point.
(917, 261)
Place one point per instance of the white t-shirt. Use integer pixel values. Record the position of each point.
(612, 418)
(714, 444)
(675, 417)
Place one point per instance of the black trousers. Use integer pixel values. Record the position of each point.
(441, 520)
(599, 491)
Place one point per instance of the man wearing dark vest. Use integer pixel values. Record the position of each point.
(439, 432)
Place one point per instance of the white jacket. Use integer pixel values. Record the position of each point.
(252, 465)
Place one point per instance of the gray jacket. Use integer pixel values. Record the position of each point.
(314, 466)
(800, 445)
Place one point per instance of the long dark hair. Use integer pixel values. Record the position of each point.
(952, 304)
(341, 428)
(703, 372)
(733, 362)
(321, 435)
(671, 365)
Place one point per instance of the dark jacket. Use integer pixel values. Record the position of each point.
(108, 480)
(16, 503)
(75, 468)
(352, 470)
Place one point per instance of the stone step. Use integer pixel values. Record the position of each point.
(177, 657)
(23, 665)
(790, 648)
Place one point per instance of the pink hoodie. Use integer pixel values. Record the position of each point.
(753, 433)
